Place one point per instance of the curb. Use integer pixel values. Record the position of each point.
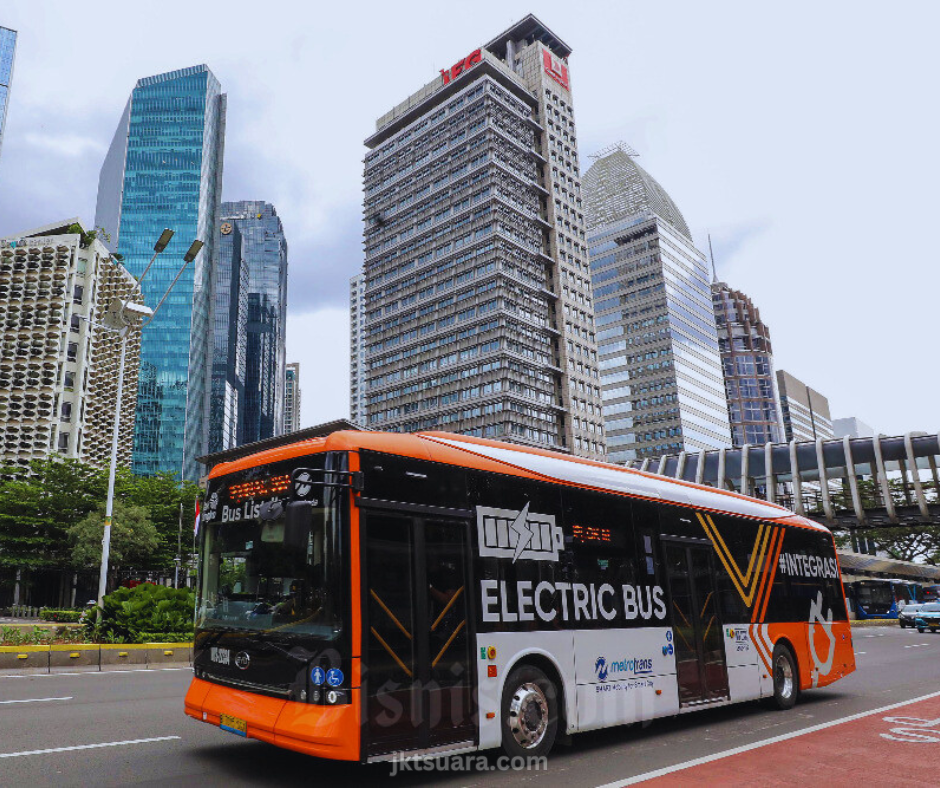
(93, 655)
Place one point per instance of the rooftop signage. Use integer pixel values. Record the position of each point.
(450, 74)
(555, 68)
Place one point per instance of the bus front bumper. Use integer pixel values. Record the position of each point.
(324, 731)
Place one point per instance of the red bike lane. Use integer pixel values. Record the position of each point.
(897, 745)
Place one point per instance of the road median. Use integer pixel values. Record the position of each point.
(93, 656)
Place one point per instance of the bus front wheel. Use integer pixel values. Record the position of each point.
(786, 682)
(529, 712)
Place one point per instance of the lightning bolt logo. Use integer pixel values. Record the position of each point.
(521, 528)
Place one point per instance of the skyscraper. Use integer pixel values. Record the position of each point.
(658, 346)
(292, 398)
(7, 56)
(259, 248)
(229, 341)
(58, 366)
(479, 313)
(357, 352)
(805, 411)
(164, 169)
(748, 364)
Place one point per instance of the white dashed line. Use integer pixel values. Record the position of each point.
(86, 747)
(34, 700)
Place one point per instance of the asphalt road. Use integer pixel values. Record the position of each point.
(68, 713)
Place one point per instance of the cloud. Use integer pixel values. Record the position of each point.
(319, 340)
(70, 146)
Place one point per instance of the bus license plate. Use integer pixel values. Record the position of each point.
(234, 724)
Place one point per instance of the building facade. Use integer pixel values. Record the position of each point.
(249, 316)
(292, 398)
(7, 57)
(658, 346)
(357, 350)
(805, 411)
(852, 427)
(748, 365)
(478, 303)
(229, 341)
(58, 367)
(164, 169)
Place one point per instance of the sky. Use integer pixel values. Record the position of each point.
(802, 136)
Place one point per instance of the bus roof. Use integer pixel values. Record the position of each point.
(533, 463)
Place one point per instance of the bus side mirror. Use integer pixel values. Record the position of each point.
(297, 523)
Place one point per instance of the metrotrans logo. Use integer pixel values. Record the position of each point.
(509, 533)
(634, 666)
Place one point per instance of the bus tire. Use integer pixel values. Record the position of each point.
(529, 712)
(786, 678)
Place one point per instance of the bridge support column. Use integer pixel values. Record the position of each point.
(771, 478)
(680, 465)
(883, 480)
(700, 468)
(915, 476)
(797, 481)
(824, 481)
(853, 482)
(645, 465)
(745, 463)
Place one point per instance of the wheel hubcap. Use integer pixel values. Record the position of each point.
(783, 676)
(528, 715)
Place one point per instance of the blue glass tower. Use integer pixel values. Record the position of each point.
(7, 55)
(164, 169)
(250, 290)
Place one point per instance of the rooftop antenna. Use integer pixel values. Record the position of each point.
(711, 254)
(617, 146)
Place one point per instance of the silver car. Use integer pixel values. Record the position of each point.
(909, 613)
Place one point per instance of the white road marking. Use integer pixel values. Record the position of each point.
(86, 746)
(763, 743)
(917, 645)
(35, 700)
(859, 653)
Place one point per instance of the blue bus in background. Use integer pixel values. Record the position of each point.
(878, 598)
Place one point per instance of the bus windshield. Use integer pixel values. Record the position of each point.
(875, 594)
(261, 572)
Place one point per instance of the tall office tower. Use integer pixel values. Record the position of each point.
(660, 366)
(748, 362)
(852, 427)
(292, 398)
(58, 366)
(164, 169)
(7, 56)
(258, 251)
(229, 341)
(479, 314)
(805, 411)
(357, 351)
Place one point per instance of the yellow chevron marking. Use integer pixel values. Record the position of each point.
(747, 582)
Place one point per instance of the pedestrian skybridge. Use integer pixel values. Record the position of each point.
(844, 483)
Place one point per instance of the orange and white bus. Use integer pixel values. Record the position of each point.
(371, 595)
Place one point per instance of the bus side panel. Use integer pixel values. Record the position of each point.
(743, 661)
(511, 647)
(624, 675)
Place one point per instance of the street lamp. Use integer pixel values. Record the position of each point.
(119, 318)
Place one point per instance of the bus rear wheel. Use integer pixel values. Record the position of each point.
(786, 682)
(529, 712)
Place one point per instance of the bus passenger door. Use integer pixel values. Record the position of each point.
(701, 669)
(416, 657)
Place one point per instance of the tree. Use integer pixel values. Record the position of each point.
(909, 542)
(38, 505)
(164, 498)
(134, 538)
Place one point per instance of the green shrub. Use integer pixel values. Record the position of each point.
(62, 616)
(144, 614)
